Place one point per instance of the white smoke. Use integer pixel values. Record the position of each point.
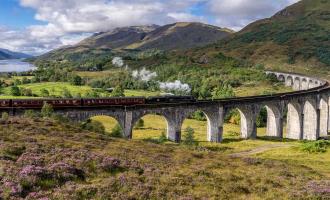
(175, 86)
(144, 75)
(118, 62)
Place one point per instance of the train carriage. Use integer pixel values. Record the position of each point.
(121, 101)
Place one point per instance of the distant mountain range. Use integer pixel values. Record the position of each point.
(177, 36)
(5, 54)
(296, 38)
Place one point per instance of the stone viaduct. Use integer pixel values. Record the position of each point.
(306, 112)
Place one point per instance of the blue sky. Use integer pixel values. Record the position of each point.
(38, 26)
(15, 16)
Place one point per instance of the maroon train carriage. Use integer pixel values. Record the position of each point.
(121, 101)
(38, 103)
(5, 103)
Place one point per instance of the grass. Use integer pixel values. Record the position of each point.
(154, 125)
(98, 74)
(254, 89)
(57, 89)
(143, 170)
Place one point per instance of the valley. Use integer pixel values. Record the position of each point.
(114, 106)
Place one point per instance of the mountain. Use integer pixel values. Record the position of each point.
(6, 54)
(177, 36)
(296, 38)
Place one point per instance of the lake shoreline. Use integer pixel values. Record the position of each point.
(15, 65)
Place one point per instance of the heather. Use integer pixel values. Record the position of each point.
(47, 159)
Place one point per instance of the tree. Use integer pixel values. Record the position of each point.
(225, 92)
(66, 93)
(94, 126)
(139, 124)
(44, 92)
(26, 92)
(76, 80)
(117, 131)
(15, 91)
(118, 92)
(47, 110)
(25, 80)
(189, 137)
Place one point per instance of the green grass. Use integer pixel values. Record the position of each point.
(57, 88)
(154, 125)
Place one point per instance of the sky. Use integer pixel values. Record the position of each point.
(38, 26)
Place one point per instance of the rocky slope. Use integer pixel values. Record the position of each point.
(176, 36)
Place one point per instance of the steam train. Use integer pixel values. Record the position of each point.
(121, 101)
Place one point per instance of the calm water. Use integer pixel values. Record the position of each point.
(15, 66)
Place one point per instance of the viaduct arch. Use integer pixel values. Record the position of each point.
(307, 112)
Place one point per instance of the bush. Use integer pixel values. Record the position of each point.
(162, 138)
(117, 131)
(66, 93)
(199, 115)
(15, 91)
(5, 116)
(139, 124)
(118, 92)
(44, 92)
(76, 80)
(30, 114)
(189, 137)
(94, 126)
(319, 146)
(26, 92)
(47, 110)
(262, 118)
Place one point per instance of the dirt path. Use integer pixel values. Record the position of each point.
(259, 150)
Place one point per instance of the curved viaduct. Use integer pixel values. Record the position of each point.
(306, 110)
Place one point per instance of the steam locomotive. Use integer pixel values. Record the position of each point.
(121, 101)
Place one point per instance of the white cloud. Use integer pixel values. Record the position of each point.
(236, 14)
(68, 21)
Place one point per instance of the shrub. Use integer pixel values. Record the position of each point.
(262, 118)
(30, 114)
(5, 116)
(26, 92)
(44, 92)
(139, 124)
(117, 131)
(118, 92)
(319, 146)
(162, 138)
(76, 80)
(66, 93)
(94, 126)
(15, 91)
(199, 115)
(47, 110)
(189, 137)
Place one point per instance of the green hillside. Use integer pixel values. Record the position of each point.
(297, 37)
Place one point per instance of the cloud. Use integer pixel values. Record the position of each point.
(23, 40)
(68, 21)
(236, 14)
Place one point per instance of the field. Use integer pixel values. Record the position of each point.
(43, 158)
(287, 151)
(57, 89)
